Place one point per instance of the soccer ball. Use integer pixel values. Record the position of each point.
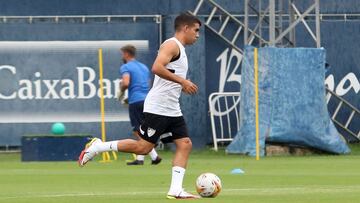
(208, 185)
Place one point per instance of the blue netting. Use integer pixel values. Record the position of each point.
(292, 107)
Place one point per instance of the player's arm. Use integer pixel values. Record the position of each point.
(168, 51)
(124, 84)
(125, 81)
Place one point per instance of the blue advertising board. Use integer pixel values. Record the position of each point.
(51, 75)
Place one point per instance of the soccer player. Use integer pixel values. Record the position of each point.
(136, 78)
(162, 108)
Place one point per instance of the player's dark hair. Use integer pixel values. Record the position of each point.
(130, 49)
(185, 19)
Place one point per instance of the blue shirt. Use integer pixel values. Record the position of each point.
(139, 80)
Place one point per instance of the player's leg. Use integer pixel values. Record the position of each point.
(139, 159)
(183, 149)
(153, 126)
(96, 146)
(140, 146)
(136, 117)
(155, 158)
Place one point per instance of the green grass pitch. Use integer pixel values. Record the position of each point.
(282, 179)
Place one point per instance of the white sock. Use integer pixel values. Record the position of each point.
(107, 146)
(153, 154)
(176, 180)
(140, 157)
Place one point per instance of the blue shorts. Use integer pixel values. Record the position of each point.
(136, 114)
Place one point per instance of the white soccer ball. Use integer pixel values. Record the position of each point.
(208, 185)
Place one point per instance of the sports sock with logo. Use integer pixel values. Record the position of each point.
(107, 146)
(176, 180)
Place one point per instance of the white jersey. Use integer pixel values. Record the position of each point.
(163, 98)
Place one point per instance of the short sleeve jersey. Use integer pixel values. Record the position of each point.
(139, 80)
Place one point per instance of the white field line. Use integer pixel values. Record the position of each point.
(229, 191)
(80, 195)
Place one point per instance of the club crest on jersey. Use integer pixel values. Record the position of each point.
(150, 132)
